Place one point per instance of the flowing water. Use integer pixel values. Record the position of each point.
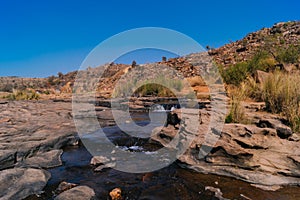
(171, 182)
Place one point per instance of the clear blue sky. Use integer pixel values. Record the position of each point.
(41, 38)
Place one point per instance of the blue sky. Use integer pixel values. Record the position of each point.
(41, 38)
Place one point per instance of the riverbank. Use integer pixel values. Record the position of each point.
(33, 134)
(168, 183)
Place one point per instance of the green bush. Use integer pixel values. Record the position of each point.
(238, 73)
(288, 55)
(160, 86)
(235, 74)
(261, 61)
(152, 89)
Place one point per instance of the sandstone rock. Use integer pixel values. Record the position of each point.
(252, 153)
(289, 67)
(18, 183)
(283, 131)
(294, 137)
(296, 159)
(34, 127)
(254, 106)
(63, 186)
(267, 188)
(2, 120)
(43, 160)
(107, 165)
(260, 76)
(78, 193)
(98, 160)
(116, 194)
(7, 159)
(217, 191)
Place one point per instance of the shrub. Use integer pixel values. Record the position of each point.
(238, 73)
(236, 113)
(47, 92)
(261, 61)
(152, 89)
(60, 75)
(23, 95)
(235, 74)
(288, 55)
(159, 86)
(51, 80)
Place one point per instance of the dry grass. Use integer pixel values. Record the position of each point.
(237, 95)
(23, 95)
(281, 93)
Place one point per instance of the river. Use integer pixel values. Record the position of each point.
(171, 182)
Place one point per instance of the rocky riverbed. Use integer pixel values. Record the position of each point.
(33, 133)
(265, 152)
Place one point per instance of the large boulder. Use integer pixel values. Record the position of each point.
(19, 183)
(260, 76)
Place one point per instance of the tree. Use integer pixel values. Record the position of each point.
(60, 75)
(133, 64)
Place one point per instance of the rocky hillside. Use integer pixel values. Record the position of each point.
(280, 44)
(280, 36)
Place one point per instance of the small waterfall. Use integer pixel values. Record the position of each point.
(164, 107)
(158, 108)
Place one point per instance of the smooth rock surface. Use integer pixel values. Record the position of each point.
(78, 193)
(34, 126)
(18, 183)
(43, 160)
(29, 128)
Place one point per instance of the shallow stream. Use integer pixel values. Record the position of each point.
(172, 182)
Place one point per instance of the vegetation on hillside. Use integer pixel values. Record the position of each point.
(280, 92)
(278, 54)
(23, 95)
(263, 60)
(159, 86)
